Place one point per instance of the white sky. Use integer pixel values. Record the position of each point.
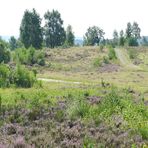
(107, 14)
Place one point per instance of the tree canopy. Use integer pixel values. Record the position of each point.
(93, 35)
(54, 30)
(132, 34)
(4, 54)
(13, 43)
(69, 36)
(30, 30)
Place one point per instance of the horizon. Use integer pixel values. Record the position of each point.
(75, 12)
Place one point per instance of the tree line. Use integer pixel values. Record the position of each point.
(53, 34)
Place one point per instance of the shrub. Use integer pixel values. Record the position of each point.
(41, 62)
(31, 59)
(40, 58)
(21, 55)
(4, 54)
(24, 77)
(21, 77)
(105, 60)
(97, 62)
(112, 54)
(4, 75)
(29, 56)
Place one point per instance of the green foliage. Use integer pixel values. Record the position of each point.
(5, 43)
(29, 56)
(13, 43)
(129, 30)
(30, 30)
(69, 36)
(4, 54)
(0, 104)
(54, 31)
(144, 132)
(4, 75)
(105, 60)
(112, 54)
(115, 38)
(23, 77)
(20, 55)
(41, 61)
(78, 108)
(93, 35)
(121, 39)
(97, 62)
(132, 41)
(136, 30)
(132, 34)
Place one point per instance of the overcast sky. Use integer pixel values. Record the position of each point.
(107, 14)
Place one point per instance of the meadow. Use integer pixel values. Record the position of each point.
(108, 108)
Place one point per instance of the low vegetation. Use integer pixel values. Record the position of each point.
(78, 116)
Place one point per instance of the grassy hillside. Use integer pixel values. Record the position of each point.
(78, 64)
(107, 109)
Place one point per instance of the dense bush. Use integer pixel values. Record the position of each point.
(29, 56)
(20, 77)
(112, 54)
(4, 54)
(4, 75)
(24, 77)
(20, 55)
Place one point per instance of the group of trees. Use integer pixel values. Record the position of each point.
(52, 34)
(95, 36)
(130, 37)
